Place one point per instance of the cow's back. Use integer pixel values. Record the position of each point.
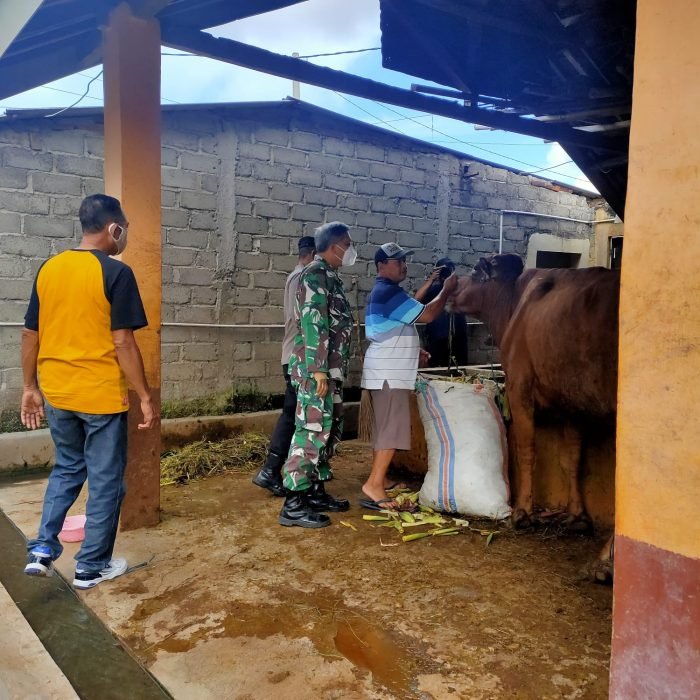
(561, 341)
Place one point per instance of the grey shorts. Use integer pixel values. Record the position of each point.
(392, 418)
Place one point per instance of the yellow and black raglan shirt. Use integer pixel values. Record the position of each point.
(79, 298)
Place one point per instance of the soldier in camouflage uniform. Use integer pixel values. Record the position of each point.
(318, 367)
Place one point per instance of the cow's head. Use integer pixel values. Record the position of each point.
(489, 274)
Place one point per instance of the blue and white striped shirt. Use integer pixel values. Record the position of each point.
(390, 326)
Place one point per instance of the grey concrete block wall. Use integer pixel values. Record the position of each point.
(239, 186)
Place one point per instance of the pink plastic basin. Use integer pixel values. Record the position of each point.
(73, 529)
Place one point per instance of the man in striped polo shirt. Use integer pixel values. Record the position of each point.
(391, 361)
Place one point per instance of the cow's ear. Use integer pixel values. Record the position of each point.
(482, 270)
(507, 267)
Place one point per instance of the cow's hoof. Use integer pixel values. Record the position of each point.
(520, 519)
(578, 524)
(602, 572)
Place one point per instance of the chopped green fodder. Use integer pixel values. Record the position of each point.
(244, 452)
(231, 401)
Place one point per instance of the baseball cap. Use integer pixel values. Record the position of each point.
(306, 242)
(391, 251)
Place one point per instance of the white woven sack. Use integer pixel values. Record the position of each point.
(467, 451)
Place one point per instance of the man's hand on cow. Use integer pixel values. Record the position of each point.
(450, 285)
(423, 358)
(32, 408)
(321, 384)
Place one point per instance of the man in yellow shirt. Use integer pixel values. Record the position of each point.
(79, 351)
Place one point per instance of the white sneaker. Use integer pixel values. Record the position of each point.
(39, 562)
(89, 579)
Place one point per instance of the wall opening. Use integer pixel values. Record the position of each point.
(545, 250)
(553, 258)
(615, 252)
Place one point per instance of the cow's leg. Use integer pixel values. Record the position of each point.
(570, 460)
(602, 568)
(523, 427)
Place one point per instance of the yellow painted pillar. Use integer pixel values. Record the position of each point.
(656, 610)
(132, 174)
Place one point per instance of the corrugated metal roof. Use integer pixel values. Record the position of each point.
(568, 64)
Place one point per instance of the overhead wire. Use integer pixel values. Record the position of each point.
(162, 98)
(67, 92)
(84, 95)
(374, 116)
(340, 53)
(481, 148)
(452, 139)
(79, 100)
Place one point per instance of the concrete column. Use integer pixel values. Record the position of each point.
(132, 174)
(656, 611)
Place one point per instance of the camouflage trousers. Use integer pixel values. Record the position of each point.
(317, 431)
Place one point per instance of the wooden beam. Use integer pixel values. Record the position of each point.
(258, 59)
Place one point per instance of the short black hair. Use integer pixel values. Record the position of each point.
(99, 210)
(306, 244)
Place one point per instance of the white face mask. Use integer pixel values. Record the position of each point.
(119, 235)
(350, 256)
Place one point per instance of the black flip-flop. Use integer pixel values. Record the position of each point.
(375, 505)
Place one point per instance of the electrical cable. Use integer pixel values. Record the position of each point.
(78, 101)
(166, 99)
(339, 53)
(566, 162)
(480, 148)
(374, 116)
(67, 92)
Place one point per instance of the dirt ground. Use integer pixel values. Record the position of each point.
(235, 606)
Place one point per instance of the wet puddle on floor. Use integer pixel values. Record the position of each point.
(372, 649)
(336, 632)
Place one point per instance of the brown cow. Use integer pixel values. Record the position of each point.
(557, 333)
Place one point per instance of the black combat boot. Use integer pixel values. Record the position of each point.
(320, 501)
(297, 511)
(270, 476)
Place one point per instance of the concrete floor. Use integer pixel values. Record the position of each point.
(236, 606)
(26, 669)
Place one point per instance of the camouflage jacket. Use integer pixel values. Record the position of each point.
(324, 324)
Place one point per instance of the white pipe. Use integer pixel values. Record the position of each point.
(223, 325)
(19, 324)
(543, 216)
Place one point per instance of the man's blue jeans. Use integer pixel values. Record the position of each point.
(87, 446)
